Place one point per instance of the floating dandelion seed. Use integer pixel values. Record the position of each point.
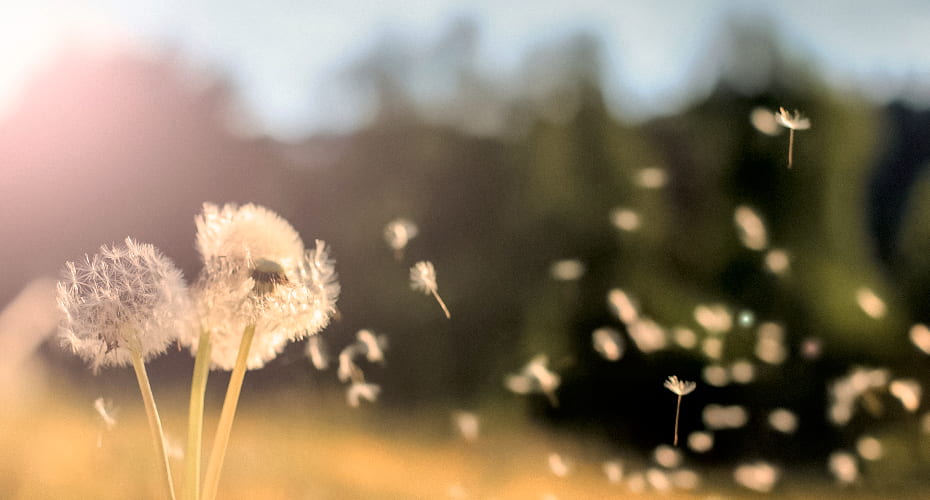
(536, 377)
(362, 390)
(104, 409)
(347, 369)
(608, 343)
(372, 345)
(681, 388)
(423, 279)
(316, 351)
(398, 234)
(791, 121)
(750, 228)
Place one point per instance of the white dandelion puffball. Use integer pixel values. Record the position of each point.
(399, 232)
(794, 121)
(256, 272)
(125, 298)
(423, 277)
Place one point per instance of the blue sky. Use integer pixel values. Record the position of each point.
(281, 55)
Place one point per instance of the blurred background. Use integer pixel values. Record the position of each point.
(571, 168)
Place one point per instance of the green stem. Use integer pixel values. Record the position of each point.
(195, 421)
(211, 479)
(158, 435)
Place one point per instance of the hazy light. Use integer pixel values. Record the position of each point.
(608, 343)
(870, 303)
(715, 375)
(685, 337)
(783, 420)
(467, 424)
(623, 306)
(715, 318)
(750, 228)
(712, 347)
(685, 479)
(658, 479)
(869, 448)
(742, 371)
(613, 469)
(725, 417)
(746, 318)
(758, 476)
(667, 456)
(920, 336)
(777, 261)
(843, 466)
(770, 343)
(763, 120)
(625, 219)
(811, 348)
(700, 441)
(558, 465)
(908, 392)
(636, 483)
(647, 335)
(567, 270)
(651, 178)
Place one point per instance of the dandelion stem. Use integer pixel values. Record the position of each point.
(158, 435)
(217, 455)
(790, 145)
(195, 419)
(441, 303)
(677, 409)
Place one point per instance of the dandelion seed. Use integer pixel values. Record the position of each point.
(347, 369)
(791, 121)
(372, 345)
(467, 424)
(316, 351)
(843, 466)
(398, 234)
(536, 377)
(750, 228)
(783, 420)
(763, 120)
(567, 270)
(625, 219)
(104, 409)
(127, 298)
(700, 441)
(361, 390)
(558, 465)
(759, 476)
(651, 178)
(870, 303)
(613, 469)
(608, 343)
(423, 279)
(681, 388)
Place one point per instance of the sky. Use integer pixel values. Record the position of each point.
(281, 55)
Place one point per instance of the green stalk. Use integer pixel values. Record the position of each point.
(211, 480)
(195, 420)
(158, 435)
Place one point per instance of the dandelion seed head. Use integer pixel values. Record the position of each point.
(750, 228)
(680, 387)
(758, 476)
(125, 297)
(423, 277)
(608, 343)
(399, 232)
(794, 120)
